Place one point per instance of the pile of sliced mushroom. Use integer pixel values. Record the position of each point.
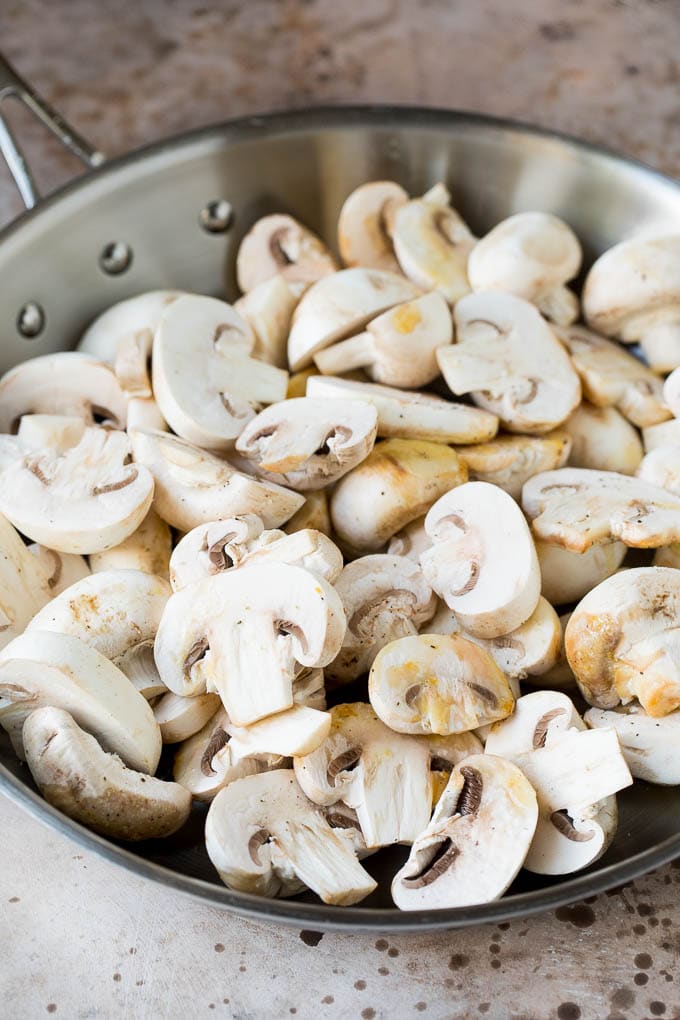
(215, 543)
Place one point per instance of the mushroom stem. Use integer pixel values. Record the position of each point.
(560, 305)
(345, 356)
(661, 346)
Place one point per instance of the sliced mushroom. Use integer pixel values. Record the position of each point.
(298, 730)
(632, 292)
(139, 666)
(667, 556)
(280, 843)
(399, 347)
(75, 775)
(133, 321)
(411, 541)
(671, 393)
(661, 467)
(476, 842)
(602, 439)
(40, 668)
(180, 718)
(567, 575)
(509, 461)
(82, 500)
(666, 433)
(308, 444)
(338, 306)
(242, 633)
(540, 719)
(61, 569)
(578, 508)
(57, 432)
(435, 683)
(297, 382)
(445, 754)
(559, 677)
(509, 360)
(475, 529)
(531, 255)
(384, 598)
(148, 549)
(365, 225)
(399, 481)
(144, 413)
(313, 514)
(194, 487)
(649, 745)
(278, 245)
(611, 377)
(356, 766)
(432, 243)
(621, 640)
(268, 309)
(411, 415)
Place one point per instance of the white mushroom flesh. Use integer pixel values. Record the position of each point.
(365, 225)
(509, 461)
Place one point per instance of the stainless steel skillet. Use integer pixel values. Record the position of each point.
(159, 218)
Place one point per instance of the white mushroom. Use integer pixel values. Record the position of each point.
(602, 439)
(366, 222)
(671, 393)
(531, 255)
(411, 541)
(280, 842)
(133, 320)
(298, 730)
(148, 549)
(82, 500)
(384, 598)
(435, 683)
(509, 360)
(661, 467)
(559, 677)
(313, 514)
(649, 745)
(432, 243)
(278, 245)
(55, 432)
(667, 556)
(399, 347)
(509, 461)
(476, 842)
(482, 563)
(666, 433)
(180, 718)
(194, 487)
(268, 310)
(61, 569)
(144, 413)
(567, 575)
(139, 666)
(399, 481)
(96, 788)
(308, 444)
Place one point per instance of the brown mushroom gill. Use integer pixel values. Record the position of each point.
(337, 820)
(218, 555)
(564, 824)
(444, 856)
(471, 795)
(57, 565)
(471, 581)
(100, 490)
(34, 467)
(438, 764)
(218, 740)
(257, 840)
(286, 628)
(282, 247)
(484, 693)
(526, 398)
(509, 642)
(541, 729)
(399, 603)
(345, 762)
(339, 432)
(195, 654)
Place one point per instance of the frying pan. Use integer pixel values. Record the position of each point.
(171, 215)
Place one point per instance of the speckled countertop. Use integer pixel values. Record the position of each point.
(82, 938)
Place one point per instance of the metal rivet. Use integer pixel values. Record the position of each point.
(115, 258)
(31, 320)
(215, 217)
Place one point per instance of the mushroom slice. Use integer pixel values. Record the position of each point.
(432, 243)
(144, 413)
(509, 461)
(399, 481)
(57, 432)
(666, 433)
(309, 688)
(194, 487)
(632, 292)
(510, 361)
(338, 306)
(148, 549)
(268, 309)
(265, 837)
(41, 668)
(131, 321)
(602, 439)
(567, 575)
(476, 842)
(474, 528)
(204, 380)
(366, 222)
(82, 500)
(560, 676)
(75, 775)
(445, 754)
(411, 415)
(671, 393)
(307, 443)
(578, 508)
(61, 569)
(661, 467)
(309, 549)
(384, 598)
(398, 348)
(139, 666)
(539, 720)
(67, 383)
(356, 765)
(298, 730)
(531, 255)
(180, 718)
(649, 745)
(610, 376)
(622, 640)
(411, 541)
(667, 556)
(278, 245)
(242, 634)
(313, 514)
(435, 683)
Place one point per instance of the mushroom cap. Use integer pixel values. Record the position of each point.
(137, 662)
(539, 720)
(279, 245)
(268, 309)
(399, 481)
(667, 556)
(622, 640)
(313, 514)
(365, 225)
(476, 842)
(180, 718)
(42, 668)
(633, 286)
(96, 788)
(135, 317)
(578, 508)
(148, 549)
(82, 500)
(411, 415)
(61, 569)
(566, 576)
(671, 393)
(194, 487)
(474, 528)
(340, 305)
(649, 745)
(560, 676)
(565, 842)
(666, 433)
(384, 597)
(411, 541)
(602, 439)
(510, 361)
(509, 461)
(265, 837)
(661, 467)
(434, 683)
(67, 383)
(309, 443)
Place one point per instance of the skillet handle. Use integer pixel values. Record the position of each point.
(13, 86)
